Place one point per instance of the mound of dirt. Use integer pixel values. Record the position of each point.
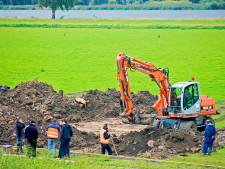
(160, 143)
(38, 101)
(143, 102)
(99, 105)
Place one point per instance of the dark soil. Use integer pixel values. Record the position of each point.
(158, 142)
(38, 101)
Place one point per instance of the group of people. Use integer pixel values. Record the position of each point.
(56, 133)
(62, 133)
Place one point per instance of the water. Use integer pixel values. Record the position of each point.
(116, 14)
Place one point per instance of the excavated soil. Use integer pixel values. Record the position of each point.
(38, 101)
(160, 143)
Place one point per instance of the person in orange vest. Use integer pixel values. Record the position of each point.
(53, 131)
(104, 140)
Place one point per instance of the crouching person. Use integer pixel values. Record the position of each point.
(31, 136)
(53, 136)
(104, 140)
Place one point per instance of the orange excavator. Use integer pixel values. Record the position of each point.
(178, 106)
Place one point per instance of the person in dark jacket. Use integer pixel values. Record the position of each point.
(209, 137)
(104, 140)
(65, 136)
(19, 135)
(31, 136)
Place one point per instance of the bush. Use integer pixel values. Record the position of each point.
(216, 5)
(195, 1)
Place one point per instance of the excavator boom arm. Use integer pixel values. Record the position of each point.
(160, 76)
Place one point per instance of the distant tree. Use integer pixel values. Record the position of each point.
(56, 4)
(195, 1)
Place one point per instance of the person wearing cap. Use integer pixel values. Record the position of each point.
(19, 135)
(209, 137)
(104, 137)
(31, 136)
(53, 130)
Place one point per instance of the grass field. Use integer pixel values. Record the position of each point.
(195, 161)
(78, 55)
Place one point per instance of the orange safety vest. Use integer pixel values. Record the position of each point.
(102, 139)
(53, 133)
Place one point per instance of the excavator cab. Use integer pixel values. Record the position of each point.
(184, 100)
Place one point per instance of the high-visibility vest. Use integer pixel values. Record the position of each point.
(102, 139)
(53, 133)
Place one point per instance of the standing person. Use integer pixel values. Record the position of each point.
(65, 136)
(104, 140)
(19, 135)
(209, 137)
(53, 130)
(31, 136)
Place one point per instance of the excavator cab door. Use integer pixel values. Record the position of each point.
(175, 100)
(191, 99)
(184, 100)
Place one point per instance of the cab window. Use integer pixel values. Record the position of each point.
(191, 96)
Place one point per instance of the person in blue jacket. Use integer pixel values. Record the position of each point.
(209, 137)
(19, 135)
(65, 136)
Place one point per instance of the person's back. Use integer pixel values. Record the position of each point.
(53, 135)
(65, 136)
(209, 137)
(31, 134)
(19, 129)
(53, 131)
(19, 134)
(210, 132)
(66, 131)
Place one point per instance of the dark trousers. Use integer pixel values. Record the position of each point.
(31, 148)
(19, 144)
(207, 147)
(64, 148)
(106, 147)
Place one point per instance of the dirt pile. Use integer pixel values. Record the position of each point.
(143, 102)
(106, 105)
(99, 105)
(35, 101)
(160, 143)
(38, 101)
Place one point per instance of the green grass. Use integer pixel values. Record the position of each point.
(97, 162)
(119, 24)
(79, 59)
(216, 159)
(220, 118)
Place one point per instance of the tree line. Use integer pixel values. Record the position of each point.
(91, 2)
